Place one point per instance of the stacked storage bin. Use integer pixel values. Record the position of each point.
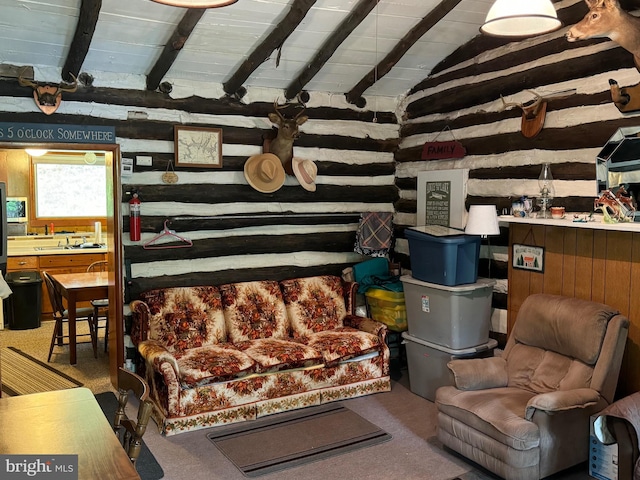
(448, 307)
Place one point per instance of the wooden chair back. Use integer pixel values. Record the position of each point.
(99, 266)
(131, 431)
(55, 297)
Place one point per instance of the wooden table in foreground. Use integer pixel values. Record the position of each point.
(65, 422)
(80, 287)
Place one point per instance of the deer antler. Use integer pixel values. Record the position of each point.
(26, 83)
(72, 87)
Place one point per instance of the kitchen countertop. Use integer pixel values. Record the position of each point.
(39, 245)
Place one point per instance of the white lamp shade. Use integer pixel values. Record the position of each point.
(197, 3)
(521, 18)
(482, 220)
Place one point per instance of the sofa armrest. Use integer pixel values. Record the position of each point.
(561, 400)
(156, 354)
(140, 327)
(479, 373)
(349, 292)
(365, 324)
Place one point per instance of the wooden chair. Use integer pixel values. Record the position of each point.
(130, 432)
(60, 315)
(101, 306)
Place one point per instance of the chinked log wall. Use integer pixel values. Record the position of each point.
(238, 233)
(463, 93)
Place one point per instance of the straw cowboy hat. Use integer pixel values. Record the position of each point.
(264, 172)
(305, 171)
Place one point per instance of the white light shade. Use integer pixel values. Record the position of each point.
(35, 152)
(521, 18)
(482, 220)
(197, 3)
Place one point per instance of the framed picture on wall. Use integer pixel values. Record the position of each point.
(528, 257)
(198, 147)
(441, 197)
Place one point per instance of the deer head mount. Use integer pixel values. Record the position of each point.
(607, 19)
(534, 111)
(48, 97)
(282, 145)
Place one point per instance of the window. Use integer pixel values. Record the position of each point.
(68, 187)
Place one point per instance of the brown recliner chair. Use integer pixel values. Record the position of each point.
(525, 415)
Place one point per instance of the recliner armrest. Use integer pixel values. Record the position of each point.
(156, 354)
(561, 400)
(479, 373)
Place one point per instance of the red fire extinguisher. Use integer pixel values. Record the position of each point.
(134, 218)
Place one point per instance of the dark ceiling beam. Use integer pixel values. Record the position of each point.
(173, 47)
(274, 40)
(87, 21)
(394, 56)
(339, 35)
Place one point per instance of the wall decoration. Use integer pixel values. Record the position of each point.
(198, 147)
(441, 196)
(528, 257)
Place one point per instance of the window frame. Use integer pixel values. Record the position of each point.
(61, 221)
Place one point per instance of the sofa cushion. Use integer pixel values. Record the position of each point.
(185, 317)
(272, 354)
(314, 304)
(213, 363)
(342, 344)
(254, 310)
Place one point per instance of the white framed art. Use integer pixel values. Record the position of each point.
(441, 197)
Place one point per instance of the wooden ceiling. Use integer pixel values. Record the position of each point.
(358, 49)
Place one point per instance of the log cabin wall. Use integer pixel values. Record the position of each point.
(238, 233)
(464, 93)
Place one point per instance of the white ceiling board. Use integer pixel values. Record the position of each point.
(131, 34)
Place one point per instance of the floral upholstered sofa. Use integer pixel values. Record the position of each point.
(221, 354)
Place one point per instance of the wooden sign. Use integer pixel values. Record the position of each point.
(56, 133)
(440, 150)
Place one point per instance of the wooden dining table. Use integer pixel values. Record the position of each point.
(79, 287)
(63, 422)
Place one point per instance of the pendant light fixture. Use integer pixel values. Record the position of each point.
(196, 3)
(521, 18)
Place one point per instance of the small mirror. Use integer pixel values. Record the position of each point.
(618, 163)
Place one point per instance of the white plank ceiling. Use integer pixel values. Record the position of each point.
(131, 34)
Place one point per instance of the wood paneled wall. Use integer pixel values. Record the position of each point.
(598, 265)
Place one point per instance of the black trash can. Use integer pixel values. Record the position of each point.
(23, 306)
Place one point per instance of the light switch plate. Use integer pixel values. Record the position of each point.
(144, 161)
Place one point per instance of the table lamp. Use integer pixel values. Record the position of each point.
(483, 221)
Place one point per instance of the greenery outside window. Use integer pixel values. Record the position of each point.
(68, 188)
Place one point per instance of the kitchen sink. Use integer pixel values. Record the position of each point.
(70, 247)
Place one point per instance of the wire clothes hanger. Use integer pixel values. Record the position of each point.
(166, 233)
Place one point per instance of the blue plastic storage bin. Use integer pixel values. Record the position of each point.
(445, 256)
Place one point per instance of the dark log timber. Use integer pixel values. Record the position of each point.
(433, 17)
(194, 104)
(330, 46)
(139, 285)
(173, 46)
(274, 40)
(89, 12)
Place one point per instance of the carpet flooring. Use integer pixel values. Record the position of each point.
(146, 465)
(287, 440)
(23, 374)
